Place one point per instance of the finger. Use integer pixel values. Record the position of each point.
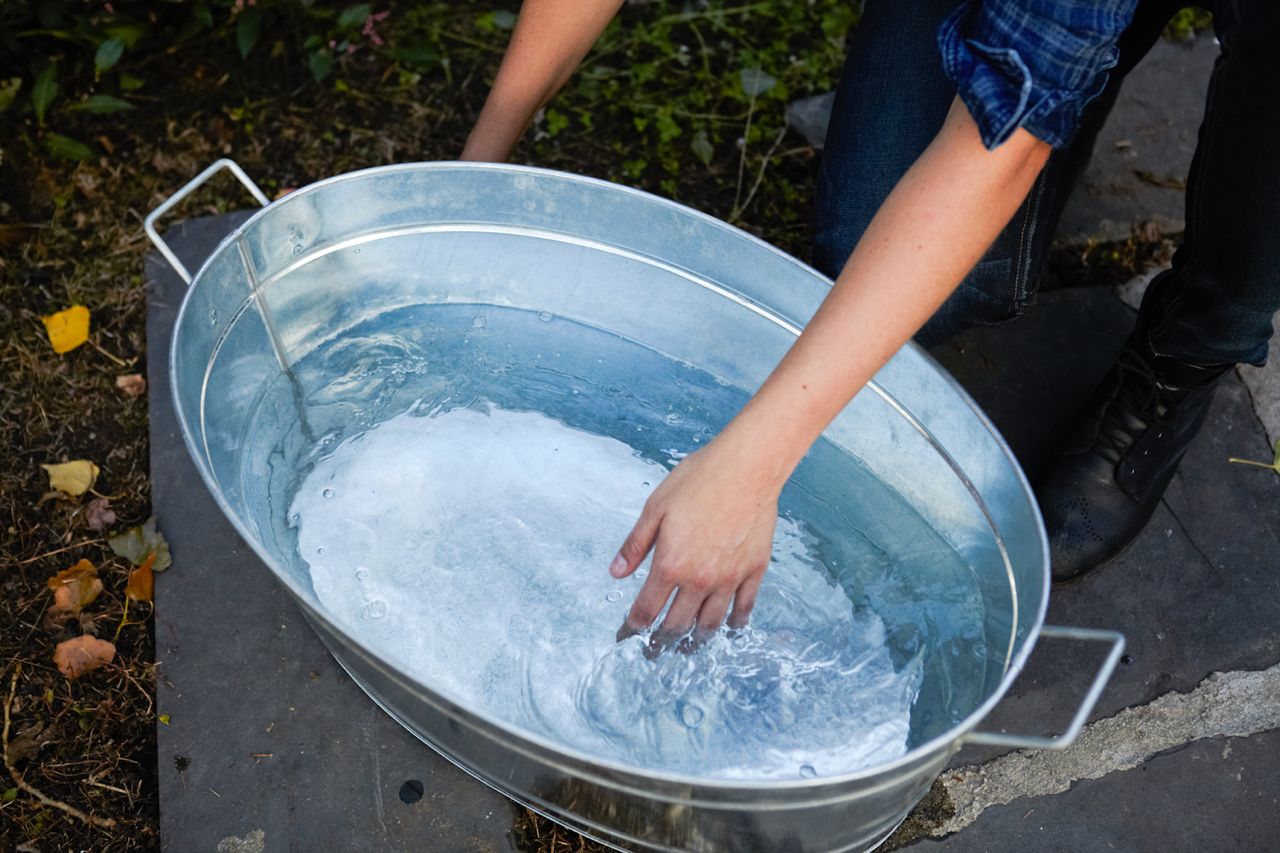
(711, 616)
(745, 599)
(637, 543)
(681, 616)
(648, 604)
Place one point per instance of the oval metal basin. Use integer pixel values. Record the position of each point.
(317, 263)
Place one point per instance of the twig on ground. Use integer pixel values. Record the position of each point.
(44, 556)
(764, 164)
(742, 158)
(27, 786)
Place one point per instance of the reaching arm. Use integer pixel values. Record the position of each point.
(550, 39)
(710, 523)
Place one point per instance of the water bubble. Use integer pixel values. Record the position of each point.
(356, 250)
(213, 316)
(691, 715)
(297, 249)
(479, 321)
(613, 595)
(375, 608)
(328, 493)
(807, 771)
(294, 519)
(641, 574)
(673, 418)
(320, 550)
(545, 316)
(361, 574)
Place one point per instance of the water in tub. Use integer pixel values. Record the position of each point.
(467, 473)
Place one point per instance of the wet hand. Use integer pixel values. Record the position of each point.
(710, 526)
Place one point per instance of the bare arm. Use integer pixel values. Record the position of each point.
(550, 39)
(711, 521)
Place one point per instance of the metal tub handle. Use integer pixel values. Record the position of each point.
(149, 224)
(1100, 680)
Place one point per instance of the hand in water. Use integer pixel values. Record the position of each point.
(710, 524)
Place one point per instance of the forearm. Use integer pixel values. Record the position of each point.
(930, 231)
(551, 37)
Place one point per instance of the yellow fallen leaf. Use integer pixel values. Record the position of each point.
(75, 477)
(141, 586)
(82, 654)
(68, 329)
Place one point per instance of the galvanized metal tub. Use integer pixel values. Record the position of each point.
(289, 279)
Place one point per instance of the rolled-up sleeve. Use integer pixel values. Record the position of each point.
(1031, 63)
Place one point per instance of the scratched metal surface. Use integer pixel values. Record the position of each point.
(269, 746)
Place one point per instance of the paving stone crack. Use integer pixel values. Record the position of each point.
(1231, 704)
(1191, 540)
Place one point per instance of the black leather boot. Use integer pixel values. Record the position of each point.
(1101, 489)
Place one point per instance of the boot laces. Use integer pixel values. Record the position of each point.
(1138, 404)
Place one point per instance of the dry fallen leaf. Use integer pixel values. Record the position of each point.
(78, 585)
(138, 543)
(79, 655)
(99, 515)
(67, 329)
(73, 589)
(27, 743)
(132, 384)
(142, 582)
(74, 478)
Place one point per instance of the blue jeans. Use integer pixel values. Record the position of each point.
(1216, 302)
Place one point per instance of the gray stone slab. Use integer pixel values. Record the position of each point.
(1218, 794)
(1144, 151)
(268, 742)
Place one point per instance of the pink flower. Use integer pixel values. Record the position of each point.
(370, 32)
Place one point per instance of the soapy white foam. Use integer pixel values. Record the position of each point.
(471, 548)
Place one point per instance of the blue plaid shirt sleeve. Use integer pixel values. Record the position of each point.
(1031, 63)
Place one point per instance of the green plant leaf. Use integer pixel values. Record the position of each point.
(418, 55)
(101, 105)
(66, 147)
(128, 34)
(504, 20)
(320, 63)
(130, 82)
(109, 53)
(248, 26)
(43, 91)
(139, 543)
(701, 146)
(353, 17)
(9, 91)
(556, 122)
